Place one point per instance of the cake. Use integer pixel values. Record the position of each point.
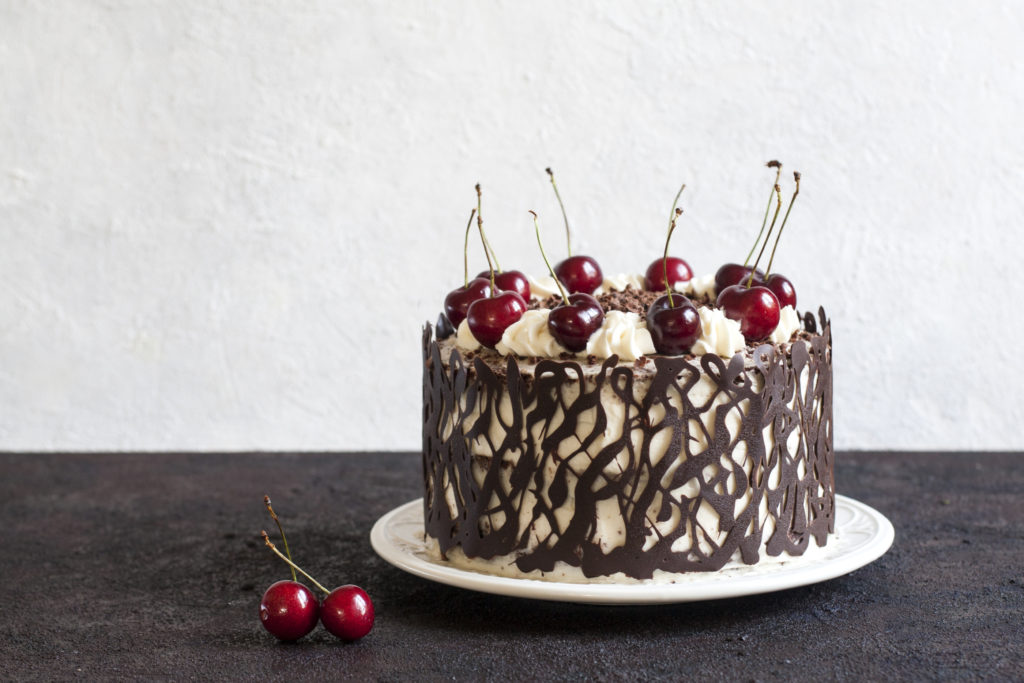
(618, 463)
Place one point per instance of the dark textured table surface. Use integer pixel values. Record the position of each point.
(150, 566)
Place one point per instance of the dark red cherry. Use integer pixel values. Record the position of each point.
(782, 288)
(678, 271)
(347, 612)
(674, 327)
(458, 300)
(510, 281)
(289, 610)
(443, 327)
(756, 309)
(579, 274)
(733, 274)
(488, 318)
(572, 323)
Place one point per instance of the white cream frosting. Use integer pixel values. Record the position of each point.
(542, 287)
(617, 283)
(698, 286)
(464, 338)
(621, 334)
(718, 334)
(529, 336)
(789, 322)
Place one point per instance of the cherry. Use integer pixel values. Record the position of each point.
(573, 323)
(577, 273)
(782, 288)
(733, 274)
(577, 317)
(672, 319)
(443, 327)
(756, 309)
(678, 271)
(289, 610)
(510, 281)
(488, 318)
(674, 324)
(347, 612)
(458, 300)
(670, 268)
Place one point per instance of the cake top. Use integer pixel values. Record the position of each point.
(577, 310)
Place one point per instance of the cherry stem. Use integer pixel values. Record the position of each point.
(266, 539)
(568, 239)
(561, 288)
(676, 213)
(487, 252)
(266, 501)
(778, 172)
(778, 192)
(465, 249)
(480, 223)
(675, 202)
(796, 177)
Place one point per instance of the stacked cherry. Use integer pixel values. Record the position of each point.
(491, 301)
(749, 295)
(290, 610)
(578, 316)
(672, 319)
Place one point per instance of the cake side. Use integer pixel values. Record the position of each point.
(673, 464)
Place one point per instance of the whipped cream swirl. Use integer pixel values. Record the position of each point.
(621, 334)
(618, 283)
(542, 287)
(530, 336)
(718, 335)
(789, 322)
(698, 286)
(464, 338)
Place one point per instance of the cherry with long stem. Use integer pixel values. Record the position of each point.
(565, 217)
(270, 509)
(347, 611)
(771, 258)
(506, 280)
(536, 228)
(577, 273)
(778, 173)
(579, 315)
(778, 206)
(489, 317)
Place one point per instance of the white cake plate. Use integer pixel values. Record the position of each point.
(862, 536)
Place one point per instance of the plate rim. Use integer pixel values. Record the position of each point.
(714, 587)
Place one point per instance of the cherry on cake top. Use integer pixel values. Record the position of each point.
(505, 294)
(578, 273)
(573, 321)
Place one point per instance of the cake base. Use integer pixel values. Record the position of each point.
(670, 464)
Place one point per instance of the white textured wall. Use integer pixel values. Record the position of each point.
(224, 223)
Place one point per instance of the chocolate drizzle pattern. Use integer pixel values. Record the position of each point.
(534, 465)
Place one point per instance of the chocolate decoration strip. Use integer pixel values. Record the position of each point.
(541, 467)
